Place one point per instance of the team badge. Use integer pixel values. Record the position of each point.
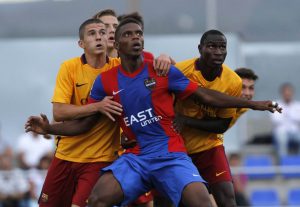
(44, 198)
(150, 83)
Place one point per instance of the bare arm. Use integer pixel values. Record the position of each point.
(221, 100)
(64, 112)
(214, 125)
(41, 125)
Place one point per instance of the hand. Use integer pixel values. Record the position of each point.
(127, 143)
(162, 64)
(37, 124)
(178, 123)
(271, 106)
(47, 136)
(109, 107)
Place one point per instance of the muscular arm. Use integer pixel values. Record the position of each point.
(214, 125)
(217, 99)
(108, 107)
(64, 112)
(41, 125)
(74, 127)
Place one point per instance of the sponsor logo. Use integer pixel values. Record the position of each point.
(220, 173)
(143, 118)
(116, 92)
(196, 175)
(150, 83)
(44, 197)
(80, 84)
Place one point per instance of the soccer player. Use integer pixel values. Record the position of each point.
(204, 125)
(109, 18)
(75, 167)
(248, 89)
(147, 116)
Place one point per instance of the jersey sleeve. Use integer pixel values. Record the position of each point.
(64, 85)
(97, 92)
(179, 84)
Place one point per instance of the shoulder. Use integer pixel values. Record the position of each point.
(113, 62)
(186, 63)
(71, 64)
(231, 75)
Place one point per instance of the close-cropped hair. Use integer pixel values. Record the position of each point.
(210, 32)
(133, 15)
(85, 23)
(246, 73)
(105, 12)
(124, 22)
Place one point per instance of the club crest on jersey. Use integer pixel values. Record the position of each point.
(150, 83)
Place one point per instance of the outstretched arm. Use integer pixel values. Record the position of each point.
(221, 100)
(214, 125)
(41, 125)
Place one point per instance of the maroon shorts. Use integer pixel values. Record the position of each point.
(212, 165)
(69, 183)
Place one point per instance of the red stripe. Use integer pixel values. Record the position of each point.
(163, 105)
(189, 90)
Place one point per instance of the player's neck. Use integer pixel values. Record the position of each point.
(131, 63)
(96, 61)
(208, 72)
(111, 52)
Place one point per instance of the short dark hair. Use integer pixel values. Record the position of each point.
(134, 15)
(84, 24)
(210, 32)
(246, 73)
(123, 22)
(105, 12)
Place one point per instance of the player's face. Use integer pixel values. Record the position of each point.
(111, 24)
(248, 88)
(94, 39)
(131, 40)
(287, 94)
(214, 50)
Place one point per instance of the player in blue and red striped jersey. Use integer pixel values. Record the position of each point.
(161, 161)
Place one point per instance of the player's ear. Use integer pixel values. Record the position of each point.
(81, 44)
(116, 45)
(199, 48)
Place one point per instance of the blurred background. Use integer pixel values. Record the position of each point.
(37, 35)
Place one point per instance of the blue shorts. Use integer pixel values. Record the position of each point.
(168, 175)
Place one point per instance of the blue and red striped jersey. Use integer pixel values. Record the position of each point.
(147, 101)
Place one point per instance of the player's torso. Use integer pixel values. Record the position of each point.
(147, 110)
(101, 142)
(198, 140)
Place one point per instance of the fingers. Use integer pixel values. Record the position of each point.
(44, 117)
(162, 65)
(276, 107)
(110, 116)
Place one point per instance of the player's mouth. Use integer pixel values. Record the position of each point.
(218, 61)
(137, 46)
(99, 46)
(111, 39)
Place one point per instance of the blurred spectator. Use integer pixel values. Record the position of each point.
(31, 147)
(239, 181)
(286, 126)
(5, 148)
(13, 184)
(36, 178)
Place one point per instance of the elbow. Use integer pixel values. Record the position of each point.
(57, 117)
